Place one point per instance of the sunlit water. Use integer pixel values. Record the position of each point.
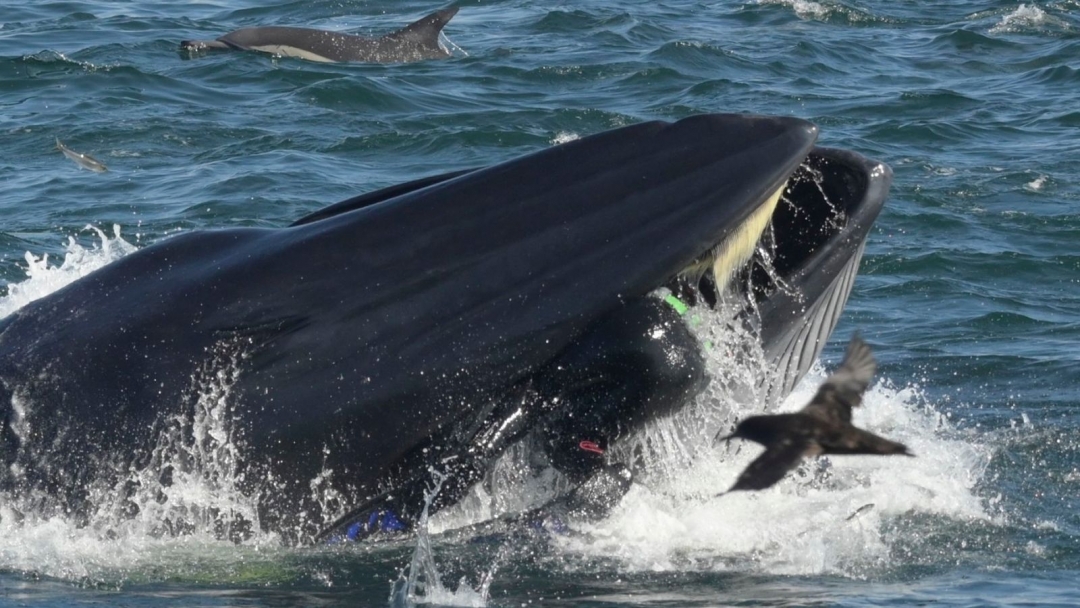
(969, 291)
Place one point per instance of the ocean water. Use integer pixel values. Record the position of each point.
(969, 290)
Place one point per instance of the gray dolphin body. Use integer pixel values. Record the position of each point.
(415, 42)
(431, 323)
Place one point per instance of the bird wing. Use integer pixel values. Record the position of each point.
(843, 390)
(772, 465)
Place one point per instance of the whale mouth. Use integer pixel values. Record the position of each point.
(710, 276)
(803, 271)
(824, 210)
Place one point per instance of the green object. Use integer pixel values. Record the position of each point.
(679, 306)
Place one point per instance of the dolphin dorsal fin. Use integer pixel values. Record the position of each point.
(426, 31)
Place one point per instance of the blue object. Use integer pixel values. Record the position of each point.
(548, 523)
(382, 520)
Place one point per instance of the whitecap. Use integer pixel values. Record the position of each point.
(1026, 19)
(563, 137)
(1036, 185)
(825, 518)
(805, 9)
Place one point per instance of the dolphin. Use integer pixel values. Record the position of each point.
(415, 42)
(84, 161)
(434, 323)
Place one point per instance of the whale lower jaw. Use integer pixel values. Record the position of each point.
(795, 351)
(817, 251)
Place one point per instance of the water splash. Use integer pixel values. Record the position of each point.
(164, 515)
(449, 46)
(827, 517)
(43, 279)
(830, 516)
(420, 582)
(563, 137)
(45, 58)
(192, 481)
(183, 506)
(1037, 184)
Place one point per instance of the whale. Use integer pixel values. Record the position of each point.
(433, 324)
(417, 41)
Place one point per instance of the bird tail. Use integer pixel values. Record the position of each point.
(865, 442)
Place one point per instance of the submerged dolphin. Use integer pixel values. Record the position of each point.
(414, 42)
(83, 160)
(435, 322)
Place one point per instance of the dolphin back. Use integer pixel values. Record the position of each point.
(414, 42)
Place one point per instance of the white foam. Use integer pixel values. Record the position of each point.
(197, 445)
(1025, 18)
(130, 525)
(1037, 184)
(563, 137)
(805, 9)
(43, 278)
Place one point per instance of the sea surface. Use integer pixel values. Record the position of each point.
(969, 290)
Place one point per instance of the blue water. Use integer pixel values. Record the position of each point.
(969, 291)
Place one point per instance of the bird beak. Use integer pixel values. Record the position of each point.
(718, 438)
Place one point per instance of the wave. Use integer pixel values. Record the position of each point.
(828, 11)
(1031, 19)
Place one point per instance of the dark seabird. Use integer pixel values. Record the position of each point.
(822, 427)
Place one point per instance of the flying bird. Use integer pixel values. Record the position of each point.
(822, 427)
